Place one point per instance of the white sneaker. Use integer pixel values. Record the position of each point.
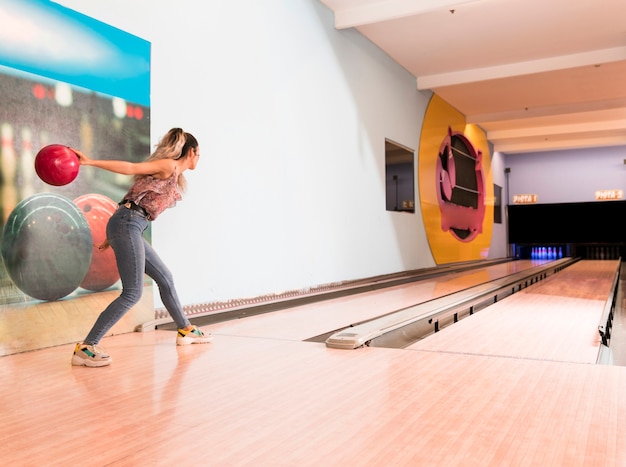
(90, 355)
(193, 336)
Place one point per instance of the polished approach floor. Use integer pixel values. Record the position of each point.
(515, 384)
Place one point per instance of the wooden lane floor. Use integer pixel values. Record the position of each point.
(259, 400)
(555, 319)
(307, 321)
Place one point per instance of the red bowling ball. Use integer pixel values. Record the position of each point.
(57, 164)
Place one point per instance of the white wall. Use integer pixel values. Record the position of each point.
(291, 116)
(499, 244)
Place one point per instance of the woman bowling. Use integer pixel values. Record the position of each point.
(157, 185)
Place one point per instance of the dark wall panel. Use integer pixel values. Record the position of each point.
(592, 222)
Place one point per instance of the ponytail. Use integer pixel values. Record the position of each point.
(175, 144)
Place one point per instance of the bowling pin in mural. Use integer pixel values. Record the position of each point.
(8, 168)
(27, 164)
(44, 139)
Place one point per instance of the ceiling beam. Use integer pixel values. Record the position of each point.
(572, 129)
(594, 57)
(547, 111)
(510, 147)
(374, 11)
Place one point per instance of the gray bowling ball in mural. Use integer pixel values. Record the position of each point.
(46, 246)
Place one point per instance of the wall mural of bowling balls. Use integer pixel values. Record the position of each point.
(102, 272)
(46, 246)
(34, 116)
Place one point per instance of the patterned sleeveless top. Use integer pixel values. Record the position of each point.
(155, 195)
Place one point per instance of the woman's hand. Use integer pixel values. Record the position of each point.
(82, 157)
(104, 245)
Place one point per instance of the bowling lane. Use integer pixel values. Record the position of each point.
(306, 321)
(555, 319)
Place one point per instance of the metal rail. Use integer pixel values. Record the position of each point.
(405, 326)
(606, 320)
(212, 313)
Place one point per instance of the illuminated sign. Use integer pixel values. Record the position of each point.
(524, 199)
(602, 195)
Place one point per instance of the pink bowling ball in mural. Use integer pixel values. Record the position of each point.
(103, 272)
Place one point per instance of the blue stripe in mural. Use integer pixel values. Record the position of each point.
(44, 38)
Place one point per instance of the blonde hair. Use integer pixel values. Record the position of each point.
(175, 144)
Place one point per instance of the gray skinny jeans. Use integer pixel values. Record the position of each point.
(135, 256)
